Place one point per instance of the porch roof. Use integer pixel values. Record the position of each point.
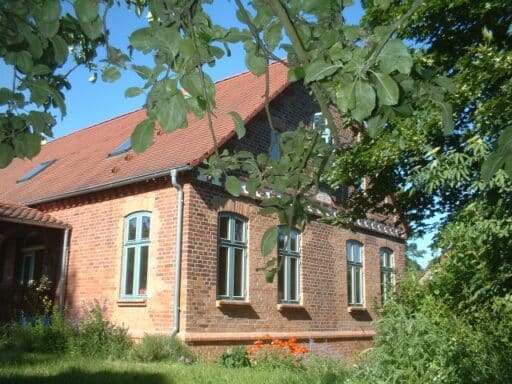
(17, 213)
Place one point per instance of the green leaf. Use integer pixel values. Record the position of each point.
(387, 89)
(376, 125)
(191, 82)
(447, 115)
(382, 4)
(172, 113)
(319, 69)
(110, 74)
(86, 10)
(142, 71)
(270, 275)
(24, 61)
(269, 240)
(60, 49)
(239, 124)
(41, 121)
(133, 92)
(233, 185)
(142, 136)
(93, 30)
(446, 83)
(6, 155)
(345, 97)
(272, 35)
(32, 144)
(395, 56)
(255, 64)
(295, 74)
(48, 29)
(252, 186)
(5, 95)
(364, 100)
(491, 165)
(141, 39)
(34, 44)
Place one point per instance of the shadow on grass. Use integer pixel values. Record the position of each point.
(78, 376)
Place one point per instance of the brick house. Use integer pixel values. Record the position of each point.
(167, 251)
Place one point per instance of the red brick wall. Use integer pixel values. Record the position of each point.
(96, 247)
(323, 275)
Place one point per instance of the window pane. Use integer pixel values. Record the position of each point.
(132, 229)
(224, 227)
(238, 289)
(239, 230)
(281, 239)
(350, 256)
(357, 252)
(388, 260)
(294, 279)
(130, 259)
(349, 284)
(223, 271)
(280, 282)
(358, 285)
(143, 270)
(145, 227)
(294, 241)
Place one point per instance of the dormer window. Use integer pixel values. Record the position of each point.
(125, 146)
(320, 124)
(36, 170)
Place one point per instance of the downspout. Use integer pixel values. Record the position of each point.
(179, 235)
(63, 269)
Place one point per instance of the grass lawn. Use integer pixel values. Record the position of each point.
(25, 368)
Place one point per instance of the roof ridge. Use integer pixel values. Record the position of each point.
(243, 73)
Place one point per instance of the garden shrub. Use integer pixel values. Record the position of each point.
(40, 335)
(234, 357)
(161, 347)
(96, 337)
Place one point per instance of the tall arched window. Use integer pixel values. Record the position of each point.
(136, 255)
(355, 274)
(289, 271)
(387, 275)
(231, 256)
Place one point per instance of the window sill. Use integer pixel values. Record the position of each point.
(222, 303)
(131, 303)
(285, 306)
(357, 309)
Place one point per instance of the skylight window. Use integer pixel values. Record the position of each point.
(125, 146)
(36, 170)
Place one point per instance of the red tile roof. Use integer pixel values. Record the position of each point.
(17, 213)
(82, 163)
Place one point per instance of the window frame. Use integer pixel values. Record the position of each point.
(353, 267)
(137, 244)
(320, 121)
(231, 244)
(387, 273)
(284, 258)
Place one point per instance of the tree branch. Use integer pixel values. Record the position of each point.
(302, 55)
(371, 61)
(254, 32)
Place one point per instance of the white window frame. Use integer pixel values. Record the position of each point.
(387, 273)
(355, 269)
(232, 245)
(287, 254)
(138, 243)
(319, 121)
